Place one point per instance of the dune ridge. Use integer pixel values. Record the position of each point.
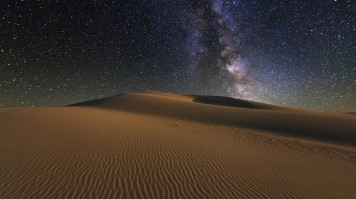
(235, 112)
(158, 145)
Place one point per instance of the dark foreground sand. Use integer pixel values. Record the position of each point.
(156, 145)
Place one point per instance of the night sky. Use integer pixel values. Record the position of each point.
(290, 53)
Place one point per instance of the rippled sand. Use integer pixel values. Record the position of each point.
(156, 145)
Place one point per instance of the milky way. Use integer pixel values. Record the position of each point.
(290, 53)
(218, 50)
(229, 59)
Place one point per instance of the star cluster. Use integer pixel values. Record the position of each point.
(292, 53)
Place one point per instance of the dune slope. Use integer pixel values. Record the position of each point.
(157, 145)
(234, 112)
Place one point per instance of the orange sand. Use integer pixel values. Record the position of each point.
(157, 145)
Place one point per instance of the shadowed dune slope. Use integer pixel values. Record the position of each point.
(158, 145)
(228, 101)
(235, 112)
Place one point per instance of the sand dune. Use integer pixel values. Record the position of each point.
(158, 145)
(234, 112)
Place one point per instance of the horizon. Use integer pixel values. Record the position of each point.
(180, 94)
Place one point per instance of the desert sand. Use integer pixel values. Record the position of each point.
(159, 145)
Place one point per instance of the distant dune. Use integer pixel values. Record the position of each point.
(160, 145)
(234, 112)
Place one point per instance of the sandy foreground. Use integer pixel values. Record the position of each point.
(157, 145)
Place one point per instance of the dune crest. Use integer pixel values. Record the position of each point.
(235, 112)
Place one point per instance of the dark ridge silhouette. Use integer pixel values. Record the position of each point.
(225, 101)
(95, 102)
